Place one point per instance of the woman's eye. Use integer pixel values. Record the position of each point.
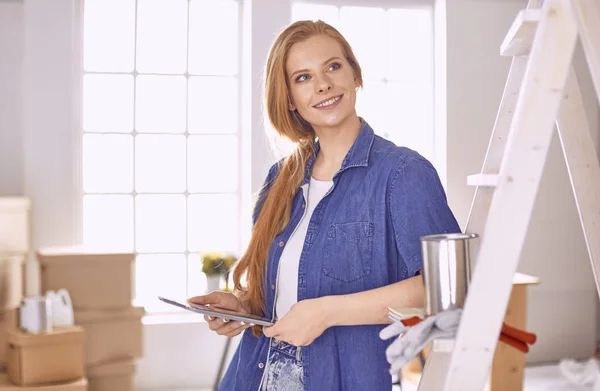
(334, 66)
(301, 78)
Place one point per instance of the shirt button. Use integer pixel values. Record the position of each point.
(261, 365)
(303, 205)
(281, 243)
(273, 286)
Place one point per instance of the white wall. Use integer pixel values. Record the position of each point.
(562, 309)
(11, 130)
(38, 150)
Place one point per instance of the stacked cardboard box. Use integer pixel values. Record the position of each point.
(14, 225)
(101, 288)
(14, 246)
(11, 281)
(76, 385)
(8, 321)
(54, 357)
(11, 294)
(49, 361)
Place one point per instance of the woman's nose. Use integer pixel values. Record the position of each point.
(325, 88)
(323, 85)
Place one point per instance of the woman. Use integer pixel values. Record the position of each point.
(336, 231)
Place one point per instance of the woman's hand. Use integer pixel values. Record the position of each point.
(226, 301)
(304, 323)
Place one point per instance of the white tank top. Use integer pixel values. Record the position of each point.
(287, 284)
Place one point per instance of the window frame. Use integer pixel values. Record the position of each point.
(242, 193)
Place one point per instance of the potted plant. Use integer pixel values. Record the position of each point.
(216, 265)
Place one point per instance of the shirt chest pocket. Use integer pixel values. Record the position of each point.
(348, 247)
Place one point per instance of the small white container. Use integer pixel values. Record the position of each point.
(36, 315)
(62, 308)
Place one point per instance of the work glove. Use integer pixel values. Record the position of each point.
(413, 340)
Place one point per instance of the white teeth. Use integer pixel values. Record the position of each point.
(329, 102)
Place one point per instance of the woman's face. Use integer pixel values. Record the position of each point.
(322, 82)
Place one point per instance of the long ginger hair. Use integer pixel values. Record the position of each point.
(275, 213)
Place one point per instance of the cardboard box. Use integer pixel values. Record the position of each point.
(11, 281)
(14, 225)
(76, 385)
(111, 335)
(9, 320)
(95, 281)
(119, 375)
(36, 359)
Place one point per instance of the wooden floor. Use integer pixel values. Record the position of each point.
(538, 378)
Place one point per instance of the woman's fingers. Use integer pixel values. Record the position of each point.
(208, 319)
(216, 323)
(227, 327)
(241, 326)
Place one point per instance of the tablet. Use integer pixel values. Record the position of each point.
(219, 313)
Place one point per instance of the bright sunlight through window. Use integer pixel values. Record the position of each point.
(395, 49)
(161, 137)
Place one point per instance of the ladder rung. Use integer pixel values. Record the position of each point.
(519, 39)
(487, 180)
(443, 345)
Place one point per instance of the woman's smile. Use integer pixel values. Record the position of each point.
(329, 103)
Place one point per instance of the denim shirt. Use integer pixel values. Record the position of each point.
(364, 234)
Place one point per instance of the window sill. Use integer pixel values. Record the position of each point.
(174, 318)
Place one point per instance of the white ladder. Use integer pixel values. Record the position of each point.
(541, 91)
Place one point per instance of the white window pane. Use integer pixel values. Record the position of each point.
(196, 278)
(160, 104)
(160, 275)
(410, 44)
(159, 163)
(161, 36)
(160, 223)
(410, 116)
(108, 222)
(109, 31)
(213, 222)
(369, 105)
(213, 104)
(108, 103)
(368, 41)
(213, 37)
(213, 164)
(306, 11)
(107, 163)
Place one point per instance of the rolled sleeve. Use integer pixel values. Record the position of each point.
(264, 190)
(418, 207)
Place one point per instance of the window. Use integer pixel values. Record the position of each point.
(394, 47)
(161, 143)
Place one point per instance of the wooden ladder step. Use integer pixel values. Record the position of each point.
(520, 36)
(487, 180)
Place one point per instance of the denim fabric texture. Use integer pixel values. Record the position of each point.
(284, 368)
(364, 234)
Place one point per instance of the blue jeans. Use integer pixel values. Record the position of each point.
(284, 368)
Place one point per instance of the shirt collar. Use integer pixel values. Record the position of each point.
(357, 156)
